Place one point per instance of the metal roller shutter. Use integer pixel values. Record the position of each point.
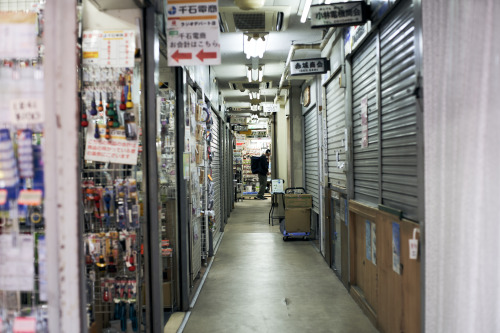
(336, 126)
(216, 175)
(399, 112)
(365, 160)
(311, 157)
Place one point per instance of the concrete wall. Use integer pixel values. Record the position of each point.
(280, 148)
(462, 182)
(296, 141)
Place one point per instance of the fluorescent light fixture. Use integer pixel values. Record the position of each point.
(254, 95)
(254, 45)
(305, 11)
(254, 74)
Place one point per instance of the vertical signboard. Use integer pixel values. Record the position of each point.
(193, 32)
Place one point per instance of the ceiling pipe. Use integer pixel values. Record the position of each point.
(295, 47)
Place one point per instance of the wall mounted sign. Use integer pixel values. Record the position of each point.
(309, 66)
(339, 14)
(193, 33)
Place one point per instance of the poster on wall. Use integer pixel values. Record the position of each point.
(364, 122)
(368, 240)
(396, 248)
(114, 48)
(117, 149)
(19, 35)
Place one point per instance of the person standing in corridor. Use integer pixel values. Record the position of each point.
(263, 172)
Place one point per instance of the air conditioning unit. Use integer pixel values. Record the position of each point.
(264, 19)
(245, 85)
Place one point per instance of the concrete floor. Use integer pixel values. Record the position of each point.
(259, 283)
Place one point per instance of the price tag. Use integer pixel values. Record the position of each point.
(27, 111)
(24, 325)
(30, 197)
(3, 197)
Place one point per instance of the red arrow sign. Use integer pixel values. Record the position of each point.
(177, 55)
(206, 55)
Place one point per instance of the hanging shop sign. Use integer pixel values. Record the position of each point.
(193, 33)
(238, 120)
(271, 108)
(109, 48)
(240, 128)
(339, 14)
(309, 66)
(19, 35)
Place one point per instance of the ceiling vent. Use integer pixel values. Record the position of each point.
(265, 19)
(245, 85)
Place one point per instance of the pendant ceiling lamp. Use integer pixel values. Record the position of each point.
(249, 4)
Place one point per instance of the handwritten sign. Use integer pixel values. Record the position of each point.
(30, 197)
(27, 111)
(116, 150)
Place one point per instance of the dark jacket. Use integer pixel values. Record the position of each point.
(264, 165)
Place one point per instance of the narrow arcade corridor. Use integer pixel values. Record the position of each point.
(259, 283)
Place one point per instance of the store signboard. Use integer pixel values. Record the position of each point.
(339, 14)
(309, 66)
(193, 33)
(238, 120)
(240, 128)
(19, 35)
(113, 48)
(116, 150)
(271, 108)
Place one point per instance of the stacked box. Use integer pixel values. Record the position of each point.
(298, 212)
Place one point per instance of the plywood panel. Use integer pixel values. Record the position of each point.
(366, 271)
(394, 299)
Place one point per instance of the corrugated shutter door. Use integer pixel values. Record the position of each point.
(335, 123)
(216, 176)
(398, 112)
(365, 160)
(311, 157)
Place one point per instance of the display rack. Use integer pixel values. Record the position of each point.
(112, 186)
(168, 194)
(23, 248)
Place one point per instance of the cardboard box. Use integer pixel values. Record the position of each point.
(298, 201)
(297, 220)
(167, 294)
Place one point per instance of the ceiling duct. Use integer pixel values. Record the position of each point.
(265, 19)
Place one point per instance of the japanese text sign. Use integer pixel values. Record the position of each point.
(193, 33)
(309, 66)
(116, 150)
(339, 14)
(109, 48)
